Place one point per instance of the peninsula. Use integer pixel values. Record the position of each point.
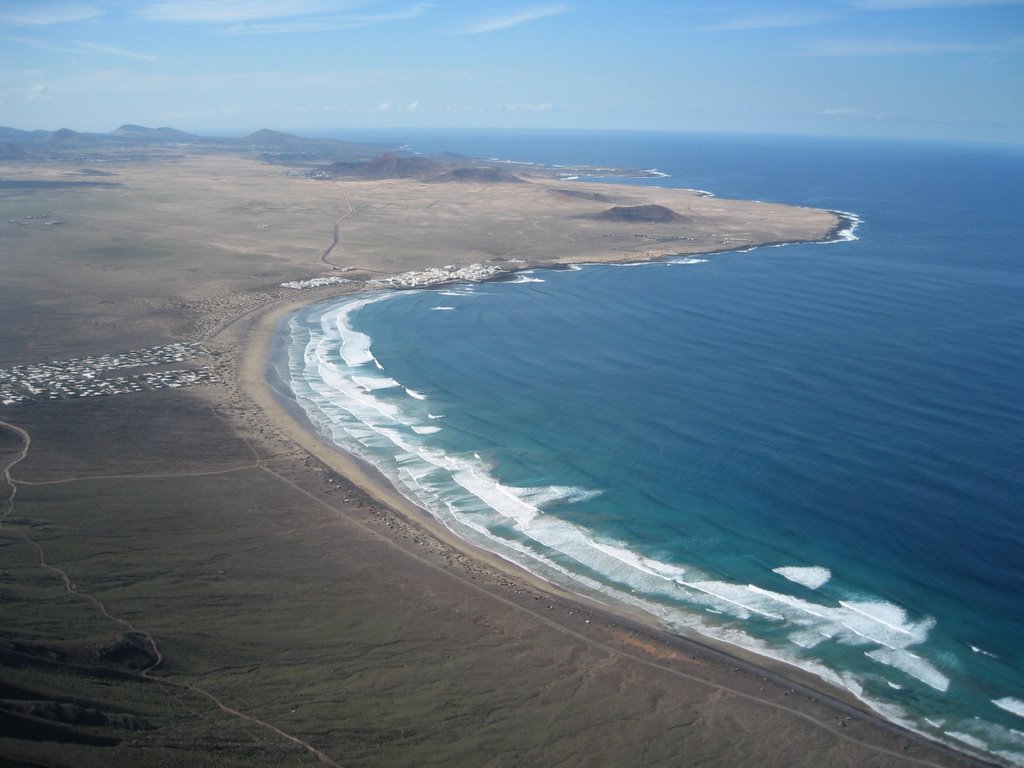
(189, 576)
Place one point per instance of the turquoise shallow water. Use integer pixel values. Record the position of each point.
(812, 451)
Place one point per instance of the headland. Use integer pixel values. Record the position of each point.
(191, 575)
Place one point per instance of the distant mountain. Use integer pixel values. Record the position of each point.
(387, 166)
(581, 195)
(17, 135)
(270, 146)
(11, 151)
(392, 166)
(478, 176)
(656, 214)
(65, 136)
(129, 131)
(267, 136)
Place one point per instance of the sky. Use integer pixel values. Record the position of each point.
(922, 69)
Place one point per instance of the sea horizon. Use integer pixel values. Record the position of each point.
(763, 447)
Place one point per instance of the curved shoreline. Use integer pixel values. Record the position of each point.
(734, 660)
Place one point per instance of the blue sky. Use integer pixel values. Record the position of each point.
(933, 69)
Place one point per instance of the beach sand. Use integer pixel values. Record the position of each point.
(193, 578)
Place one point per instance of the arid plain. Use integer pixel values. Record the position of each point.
(189, 577)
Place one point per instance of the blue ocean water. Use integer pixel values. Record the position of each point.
(812, 451)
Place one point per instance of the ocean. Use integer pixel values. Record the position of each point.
(815, 452)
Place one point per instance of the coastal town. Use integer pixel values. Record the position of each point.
(87, 376)
(472, 273)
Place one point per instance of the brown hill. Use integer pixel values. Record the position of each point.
(267, 136)
(478, 176)
(11, 151)
(656, 214)
(142, 133)
(579, 194)
(387, 166)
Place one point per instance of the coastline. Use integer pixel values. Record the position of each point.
(297, 597)
(834, 708)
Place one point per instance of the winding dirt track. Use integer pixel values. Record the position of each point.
(257, 464)
(72, 589)
(337, 230)
(146, 673)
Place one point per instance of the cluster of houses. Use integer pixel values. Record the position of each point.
(473, 273)
(90, 376)
(315, 282)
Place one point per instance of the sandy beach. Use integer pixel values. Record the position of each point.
(755, 686)
(198, 567)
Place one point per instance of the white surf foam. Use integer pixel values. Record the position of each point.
(375, 382)
(477, 505)
(416, 395)
(967, 739)
(849, 233)
(355, 345)
(891, 617)
(442, 309)
(621, 553)
(913, 665)
(812, 576)
(527, 277)
(735, 595)
(688, 260)
(1011, 705)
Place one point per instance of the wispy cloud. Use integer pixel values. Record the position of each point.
(112, 50)
(228, 11)
(546, 106)
(390, 106)
(31, 14)
(77, 48)
(506, 21)
(776, 21)
(38, 92)
(329, 23)
(902, 47)
(901, 5)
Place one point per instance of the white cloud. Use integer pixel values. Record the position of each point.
(223, 11)
(29, 14)
(77, 48)
(112, 50)
(903, 47)
(546, 106)
(506, 21)
(778, 21)
(390, 106)
(38, 92)
(329, 23)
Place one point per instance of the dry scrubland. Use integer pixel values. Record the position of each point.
(181, 240)
(297, 619)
